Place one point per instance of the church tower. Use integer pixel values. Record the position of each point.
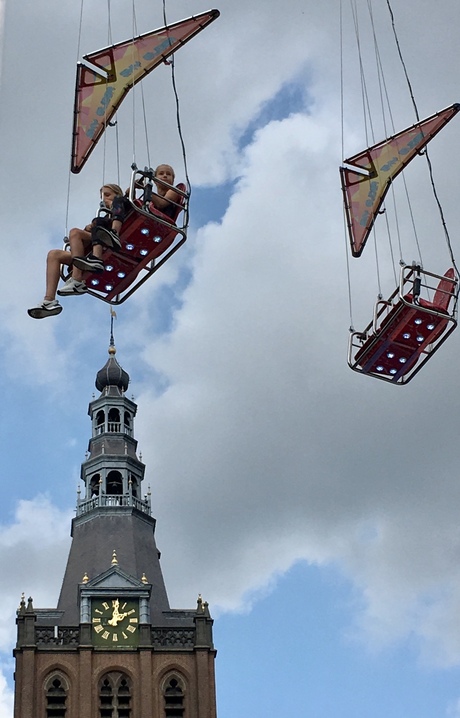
(113, 647)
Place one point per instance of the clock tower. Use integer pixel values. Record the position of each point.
(113, 647)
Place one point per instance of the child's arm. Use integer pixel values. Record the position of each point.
(166, 200)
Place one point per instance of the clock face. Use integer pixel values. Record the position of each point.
(115, 622)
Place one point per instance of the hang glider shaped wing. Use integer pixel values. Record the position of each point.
(366, 177)
(109, 74)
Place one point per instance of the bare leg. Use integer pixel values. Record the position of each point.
(79, 240)
(55, 258)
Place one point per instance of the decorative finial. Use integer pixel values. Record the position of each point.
(30, 605)
(85, 578)
(140, 455)
(199, 603)
(112, 350)
(144, 578)
(22, 604)
(114, 558)
(86, 455)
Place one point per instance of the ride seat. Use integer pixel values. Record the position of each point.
(411, 331)
(143, 240)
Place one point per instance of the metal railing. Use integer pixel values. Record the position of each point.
(86, 505)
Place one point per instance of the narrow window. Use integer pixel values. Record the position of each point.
(124, 699)
(133, 485)
(174, 699)
(94, 485)
(56, 699)
(100, 422)
(106, 699)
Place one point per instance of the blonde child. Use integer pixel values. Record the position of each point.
(80, 240)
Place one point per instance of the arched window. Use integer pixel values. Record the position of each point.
(56, 697)
(115, 696)
(114, 483)
(134, 490)
(114, 420)
(100, 422)
(94, 485)
(173, 694)
(128, 422)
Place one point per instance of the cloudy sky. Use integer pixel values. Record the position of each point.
(314, 508)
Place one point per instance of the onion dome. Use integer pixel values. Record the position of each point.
(112, 374)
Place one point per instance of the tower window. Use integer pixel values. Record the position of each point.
(114, 483)
(114, 420)
(94, 485)
(56, 698)
(115, 696)
(133, 483)
(100, 422)
(174, 699)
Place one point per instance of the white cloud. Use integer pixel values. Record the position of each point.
(453, 710)
(33, 552)
(35, 544)
(6, 698)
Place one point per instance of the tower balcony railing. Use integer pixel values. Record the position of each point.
(86, 505)
(113, 427)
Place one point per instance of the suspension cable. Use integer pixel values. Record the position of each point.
(350, 301)
(66, 223)
(367, 117)
(104, 140)
(386, 105)
(430, 168)
(133, 97)
(144, 109)
(372, 139)
(178, 119)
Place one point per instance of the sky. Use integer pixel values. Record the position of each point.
(315, 509)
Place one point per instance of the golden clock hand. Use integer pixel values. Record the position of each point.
(116, 618)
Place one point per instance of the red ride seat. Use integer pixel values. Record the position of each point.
(144, 238)
(405, 334)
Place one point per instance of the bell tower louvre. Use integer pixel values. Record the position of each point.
(113, 647)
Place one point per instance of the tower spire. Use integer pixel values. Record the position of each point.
(113, 646)
(111, 510)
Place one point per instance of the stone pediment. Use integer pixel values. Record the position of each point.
(115, 578)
